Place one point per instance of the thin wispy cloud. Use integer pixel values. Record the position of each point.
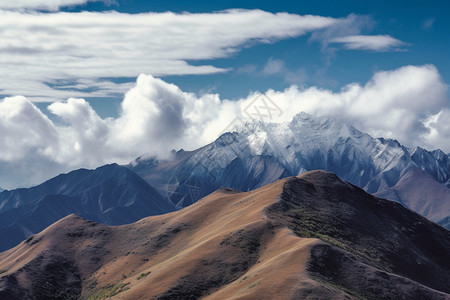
(277, 67)
(352, 25)
(379, 43)
(247, 69)
(274, 66)
(428, 23)
(54, 56)
(50, 5)
(40, 50)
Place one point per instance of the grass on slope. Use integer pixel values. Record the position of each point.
(108, 291)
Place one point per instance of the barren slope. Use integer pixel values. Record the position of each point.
(422, 193)
(227, 245)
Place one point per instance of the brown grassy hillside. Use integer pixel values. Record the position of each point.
(301, 237)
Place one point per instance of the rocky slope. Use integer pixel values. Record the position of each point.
(314, 236)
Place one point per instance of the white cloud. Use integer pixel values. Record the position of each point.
(428, 23)
(351, 25)
(247, 69)
(27, 137)
(369, 42)
(409, 104)
(278, 67)
(395, 104)
(274, 66)
(83, 139)
(348, 34)
(24, 129)
(54, 56)
(46, 56)
(439, 130)
(51, 5)
(151, 118)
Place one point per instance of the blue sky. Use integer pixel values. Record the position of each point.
(89, 82)
(423, 25)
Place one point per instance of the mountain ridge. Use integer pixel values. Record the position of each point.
(110, 194)
(242, 244)
(259, 153)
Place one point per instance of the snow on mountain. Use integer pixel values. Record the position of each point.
(259, 153)
(111, 194)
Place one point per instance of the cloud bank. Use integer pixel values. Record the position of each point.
(48, 56)
(409, 104)
(54, 56)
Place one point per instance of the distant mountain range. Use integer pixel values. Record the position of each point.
(313, 236)
(261, 153)
(251, 157)
(111, 194)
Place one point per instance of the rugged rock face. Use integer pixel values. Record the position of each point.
(260, 153)
(111, 194)
(314, 236)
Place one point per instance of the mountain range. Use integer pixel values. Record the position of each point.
(248, 158)
(312, 236)
(260, 153)
(111, 194)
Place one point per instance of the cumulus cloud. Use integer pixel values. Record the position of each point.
(439, 130)
(151, 117)
(395, 104)
(369, 42)
(27, 138)
(409, 104)
(82, 140)
(54, 56)
(24, 129)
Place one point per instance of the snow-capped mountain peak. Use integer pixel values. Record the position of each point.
(258, 153)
